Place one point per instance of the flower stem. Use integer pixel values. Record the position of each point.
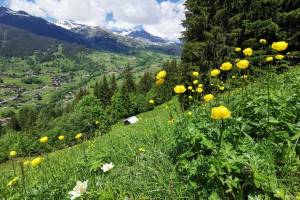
(221, 135)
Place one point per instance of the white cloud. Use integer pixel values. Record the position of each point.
(162, 19)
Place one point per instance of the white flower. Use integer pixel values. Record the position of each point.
(79, 189)
(107, 167)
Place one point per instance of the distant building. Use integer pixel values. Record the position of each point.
(131, 120)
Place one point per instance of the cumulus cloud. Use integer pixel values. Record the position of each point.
(162, 19)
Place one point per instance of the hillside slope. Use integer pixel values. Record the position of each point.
(141, 154)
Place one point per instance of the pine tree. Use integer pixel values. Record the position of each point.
(113, 85)
(128, 83)
(146, 82)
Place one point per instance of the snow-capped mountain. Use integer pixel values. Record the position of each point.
(94, 37)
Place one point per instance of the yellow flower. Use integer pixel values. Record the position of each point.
(97, 122)
(193, 91)
(215, 72)
(243, 64)
(208, 98)
(196, 74)
(161, 75)
(171, 121)
(190, 113)
(200, 85)
(61, 137)
(37, 161)
(26, 162)
(238, 49)
(13, 154)
(220, 112)
(263, 41)
(226, 66)
(78, 136)
(179, 89)
(248, 52)
(269, 59)
(195, 82)
(44, 140)
(142, 150)
(190, 88)
(233, 77)
(12, 182)
(221, 88)
(244, 76)
(199, 90)
(280, 46)
(159, 82)
(151, 101)
(279, 57)
(190, 98)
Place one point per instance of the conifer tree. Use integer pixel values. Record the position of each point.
(128, 83)
(145, 83)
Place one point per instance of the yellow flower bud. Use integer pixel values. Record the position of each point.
(269, 59)
(61, 137)
(44, 140)
(208, 98)
(37, 161)
(280, 46)
(238, 49)
(196, 74)
(220, 112)
(78, 136)
(248, 52)
(243, 64)
(215, 72)
(279, 57)
(179, 89)
(161, 75)
(159, 82)
(13, 154)
(226, 66)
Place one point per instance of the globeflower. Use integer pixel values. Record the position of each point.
(190, 98)
(220, 112)
(215, 72)
(190, 113)
(13, 154)
(161, 75)
(233, 77)
(151, 101)
(179, 89)
(195, 82)
(208, 98)
(243, 64)
(37, 161)
(269, 59)
(196, 74)
(222, 88)
(263, 41)
(190, 88)
(226, 66)
(13, 182)
(248, 52)
(200, 85)
(142, 150)
(279, 57)
(44, 140)
(97, 122)
(199, 90)
(238, 49)
(61, 138)
(159, 82)
(280, 46)
(244, 76)
(79, 189)
(78, 136)
(107, 167)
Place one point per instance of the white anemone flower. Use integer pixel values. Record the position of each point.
(79, 189)
(107, 167)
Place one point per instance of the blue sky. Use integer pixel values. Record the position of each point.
(159, 17)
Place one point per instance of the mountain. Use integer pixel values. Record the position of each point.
(93, 37)
(142, 34)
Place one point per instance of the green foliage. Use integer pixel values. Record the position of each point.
(257, 158)
(32, 80)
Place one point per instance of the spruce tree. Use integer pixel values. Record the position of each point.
(128, 82)
(146, 82)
